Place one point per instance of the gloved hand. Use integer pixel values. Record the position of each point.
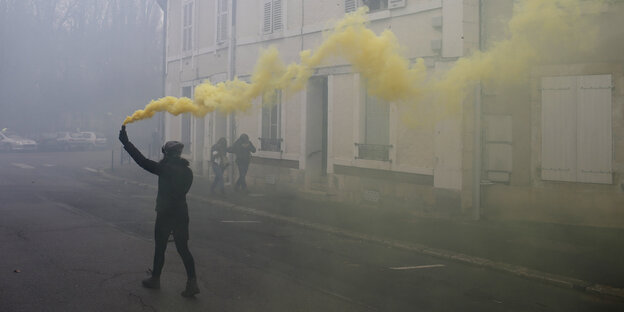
(123, 135)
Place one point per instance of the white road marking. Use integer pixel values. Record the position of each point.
(234, 221)
(90, 169)
(48, 165)
(23, 166)
(418, 267)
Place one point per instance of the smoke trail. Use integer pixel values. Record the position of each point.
(537, 32)
(377, 58)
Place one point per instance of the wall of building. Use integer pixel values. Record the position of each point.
(429, 171)
(526, 195)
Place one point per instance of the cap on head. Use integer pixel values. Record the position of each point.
(172, 148)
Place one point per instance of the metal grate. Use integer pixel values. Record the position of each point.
(373, 151)
(270, 144)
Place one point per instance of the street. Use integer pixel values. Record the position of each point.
(75, 240)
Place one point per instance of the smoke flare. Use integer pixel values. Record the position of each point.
(537, 31)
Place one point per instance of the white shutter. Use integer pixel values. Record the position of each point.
(277, 15)
(267, 26)
(350, 5)
(559, 128)
(222, 20)
(393, 4)
(594, 149)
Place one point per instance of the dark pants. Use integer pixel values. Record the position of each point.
(243, 166)
(218, 179)
(176, 223)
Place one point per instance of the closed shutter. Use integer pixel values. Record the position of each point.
(350, 5)
(267, 26)
(277, 15)
(559, 128)
(594, 147)
(222, 20)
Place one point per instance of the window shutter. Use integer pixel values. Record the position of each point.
(594, 148)
(267, 26)
(559, 128)
(277, 15)
(350, 5)
(222, 21)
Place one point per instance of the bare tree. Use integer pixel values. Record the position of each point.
(77, 56)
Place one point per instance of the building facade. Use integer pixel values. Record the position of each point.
(334, 141)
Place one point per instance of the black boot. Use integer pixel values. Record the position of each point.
(191, 288)
(152, 282)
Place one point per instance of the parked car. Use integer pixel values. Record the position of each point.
(78, 140)
(100, 141)
(11, 141)
(67, 141)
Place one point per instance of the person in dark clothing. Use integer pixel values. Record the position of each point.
(242, 148)
(219, 163)
(174, 181)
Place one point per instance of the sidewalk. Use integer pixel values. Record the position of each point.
(589, 259)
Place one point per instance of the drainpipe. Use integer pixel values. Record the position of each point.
(231, 74)
(161, 117)
(476, 157)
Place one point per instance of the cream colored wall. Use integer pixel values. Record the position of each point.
(414, 147)
(205, 23)
(322, 11)
(174, 28)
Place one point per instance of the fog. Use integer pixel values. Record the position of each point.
(69, 64)
(497, 156)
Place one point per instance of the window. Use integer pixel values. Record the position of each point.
(187, 27)
(222, 21)
(185, 135)
(271, 123)
(373, 5)
(376, 144)
(576, 129)
(272, 20)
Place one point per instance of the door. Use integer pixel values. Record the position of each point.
(316, 129)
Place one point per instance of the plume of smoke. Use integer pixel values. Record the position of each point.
(537, 32)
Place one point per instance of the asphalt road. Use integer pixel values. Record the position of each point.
(74, 240)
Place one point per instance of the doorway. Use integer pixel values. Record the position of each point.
(316, 130)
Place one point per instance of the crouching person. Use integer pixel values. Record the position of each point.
(174, 181)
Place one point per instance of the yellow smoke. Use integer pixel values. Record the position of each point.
(537, 31)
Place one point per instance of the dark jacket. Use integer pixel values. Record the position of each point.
(242, 151)
(174, 179)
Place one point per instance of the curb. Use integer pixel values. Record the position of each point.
(548, 278)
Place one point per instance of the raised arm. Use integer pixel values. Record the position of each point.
(141, 160)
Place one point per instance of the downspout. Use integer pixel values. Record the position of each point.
(231, 75)
(476, 157)
(161, 116)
